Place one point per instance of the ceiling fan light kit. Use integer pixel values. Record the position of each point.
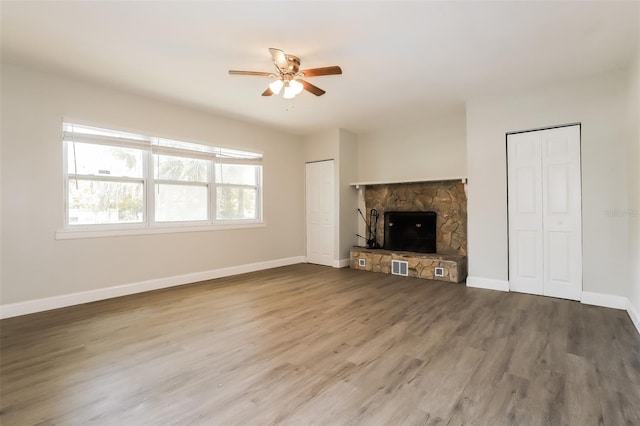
(289, 77)
(296, 86)
(276, 86)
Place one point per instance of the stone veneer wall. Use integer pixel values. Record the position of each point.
(446, 198)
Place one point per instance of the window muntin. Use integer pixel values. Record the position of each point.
(116, 178)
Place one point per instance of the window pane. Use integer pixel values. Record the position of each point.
(103, 160)
(236, 174)
(97, 202)
(236, 203)
(180, 168)
(181, 203)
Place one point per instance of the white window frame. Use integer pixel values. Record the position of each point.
(154, 181)
(257, 187)
(151, 146)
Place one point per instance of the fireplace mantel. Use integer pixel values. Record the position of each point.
(357, 185)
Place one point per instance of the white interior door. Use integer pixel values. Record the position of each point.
(320, 196)
(545, 213)
(562, 212)
(525, 213)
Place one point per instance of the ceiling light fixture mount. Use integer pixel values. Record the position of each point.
(288, 77)
(292, 87)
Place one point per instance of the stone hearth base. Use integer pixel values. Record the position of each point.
(421, 265)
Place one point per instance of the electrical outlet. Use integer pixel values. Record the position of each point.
(362, 263)
(438, 272)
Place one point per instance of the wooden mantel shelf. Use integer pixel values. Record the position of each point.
(391, 182)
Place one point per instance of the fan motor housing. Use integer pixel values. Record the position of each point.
(294, 64)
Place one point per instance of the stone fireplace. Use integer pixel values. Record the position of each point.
(448, 200)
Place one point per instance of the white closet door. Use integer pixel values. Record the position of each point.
(320, 195)
(525, 213)
(545, 212)
(562, 212)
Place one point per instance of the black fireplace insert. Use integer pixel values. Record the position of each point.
(410, 231)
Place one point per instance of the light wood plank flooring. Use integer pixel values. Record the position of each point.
(306, 344)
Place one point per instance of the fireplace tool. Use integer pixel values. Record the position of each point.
(372, 229)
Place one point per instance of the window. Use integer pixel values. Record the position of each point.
(236, 191)
(116, 179)
(181, 188)
(107, 185)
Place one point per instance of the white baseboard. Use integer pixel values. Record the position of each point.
(604, 300)
(55, 302)
(342, 263)
(612, 301)
(633, 314)
(488, 284)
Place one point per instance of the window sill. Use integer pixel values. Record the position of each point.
(72, 234)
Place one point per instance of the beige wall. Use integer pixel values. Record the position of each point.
(36, 265)
(434, 148)
(341, 146)
(348, 194)
(323, 145)
(634, 184)
(600, 104)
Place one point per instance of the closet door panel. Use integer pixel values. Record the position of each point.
(562, 212)
(525, 213)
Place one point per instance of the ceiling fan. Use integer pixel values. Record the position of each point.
(288, 75)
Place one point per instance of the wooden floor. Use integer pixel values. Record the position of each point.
(306, 344)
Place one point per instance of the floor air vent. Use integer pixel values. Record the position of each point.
(400, 267)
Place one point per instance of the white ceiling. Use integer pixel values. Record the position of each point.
(401, 60)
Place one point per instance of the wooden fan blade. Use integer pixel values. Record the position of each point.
(267, 92)
(235, 72)
(311, 88)
(314, 72)
(279, 58)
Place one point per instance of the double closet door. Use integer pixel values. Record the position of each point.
(545, 212)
